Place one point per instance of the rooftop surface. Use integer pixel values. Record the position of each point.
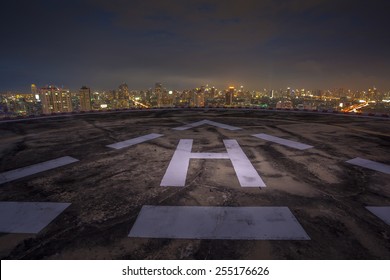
(257, 185)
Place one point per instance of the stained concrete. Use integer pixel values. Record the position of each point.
(107, 188)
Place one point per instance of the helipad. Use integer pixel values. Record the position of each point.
(306, 187)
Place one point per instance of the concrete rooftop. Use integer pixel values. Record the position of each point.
(107, 187)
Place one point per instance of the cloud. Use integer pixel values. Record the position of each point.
(221, 41)
(309, 66)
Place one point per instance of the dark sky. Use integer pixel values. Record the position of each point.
(185, 44)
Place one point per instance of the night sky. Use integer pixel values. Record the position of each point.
(185, 44)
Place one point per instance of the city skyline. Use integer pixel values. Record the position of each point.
(260, 44)
(27, 89)
(53, 100)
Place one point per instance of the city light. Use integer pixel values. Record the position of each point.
(52, 99)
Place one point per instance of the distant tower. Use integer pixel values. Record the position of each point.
(85, 98)
(34, 89)
(288, 92)
(158, 92)
(55, 100)
(123, 96)
(240, 93)
(375, 93)
(213, 93)
(123, 91)
(229, 96)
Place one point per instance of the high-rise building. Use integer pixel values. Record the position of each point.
(123, 91)
(288, 92)
(209, 96)
(55, 100)
(158, 93)
(85, 98)
(198, 97)
(229, 96)
(34, 92)
(123, 97)
(34, 89)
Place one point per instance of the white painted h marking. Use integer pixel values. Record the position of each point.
(176, 173)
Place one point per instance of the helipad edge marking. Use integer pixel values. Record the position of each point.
(190, 125)
(281, 141)
(134, 141)
(221, 125)
(217, 124)
(377, 166)
(235, 223)
(35, 168)
(28, 217)
(382, 212)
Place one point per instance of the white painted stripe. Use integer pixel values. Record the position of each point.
(246, 173)
(33, 169)
(217, 124)
(190, 125)
(382, 212)
(209, 155)
(370, 164)
(221, 125)
(28, 217)
(245, 223)
(281, 141)
(134, 141)
(176, 173)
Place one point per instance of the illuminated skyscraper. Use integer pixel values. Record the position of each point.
(288, 92)
(123, 91)
(158, 93)
(85, 98)
(167, 98)
(55, 100)
(229, 96)
(34, 89)
(198, 97)
(123, 97)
